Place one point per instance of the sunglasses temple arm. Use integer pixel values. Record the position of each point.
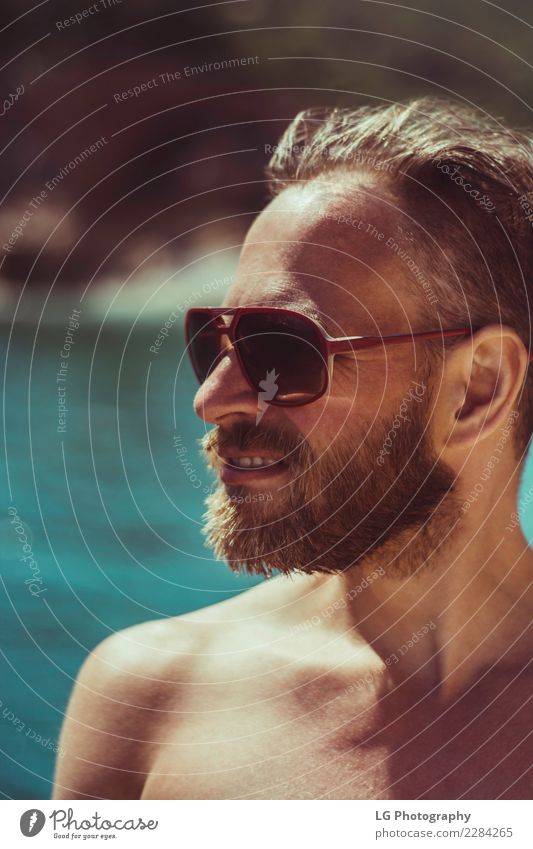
(355, 343)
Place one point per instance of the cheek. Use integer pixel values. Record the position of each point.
(329, 420)
(360, 398)
(362, 389)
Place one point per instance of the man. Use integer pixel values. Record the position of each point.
(376, 479)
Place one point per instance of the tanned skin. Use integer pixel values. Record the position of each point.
(239, 700)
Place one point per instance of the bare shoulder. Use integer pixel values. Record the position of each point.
(124, 688)
(120, 690)
(134, 683)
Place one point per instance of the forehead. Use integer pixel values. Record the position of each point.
(325, 249)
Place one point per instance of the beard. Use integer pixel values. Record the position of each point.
(342, 507)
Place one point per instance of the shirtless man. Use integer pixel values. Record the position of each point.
(386, 654)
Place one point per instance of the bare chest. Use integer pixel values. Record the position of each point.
(316, 740)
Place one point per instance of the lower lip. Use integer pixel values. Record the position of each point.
(236, 476)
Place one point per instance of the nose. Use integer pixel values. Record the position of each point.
(226, 392)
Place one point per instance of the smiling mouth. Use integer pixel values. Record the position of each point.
(252, 462)
(250, 467)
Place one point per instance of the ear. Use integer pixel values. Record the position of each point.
(487, 372)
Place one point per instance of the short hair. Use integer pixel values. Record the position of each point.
(463, 183)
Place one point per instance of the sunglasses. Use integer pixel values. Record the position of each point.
(282, 353)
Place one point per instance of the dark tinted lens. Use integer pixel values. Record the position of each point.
(272, 344)
(203, 344)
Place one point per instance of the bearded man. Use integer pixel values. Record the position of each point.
(367, 387)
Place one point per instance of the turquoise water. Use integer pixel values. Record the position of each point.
(110, 510)
(112, 515)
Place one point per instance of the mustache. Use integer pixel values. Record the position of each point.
(250, 437)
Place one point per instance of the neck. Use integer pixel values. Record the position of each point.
(465, 608)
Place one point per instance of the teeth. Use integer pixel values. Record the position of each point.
(247, 462)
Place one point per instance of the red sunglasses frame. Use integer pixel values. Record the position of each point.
(329, 345)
